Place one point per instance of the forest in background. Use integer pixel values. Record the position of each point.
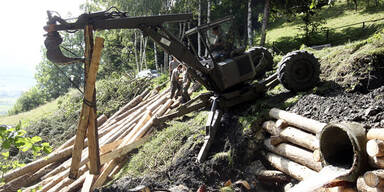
(127, 51)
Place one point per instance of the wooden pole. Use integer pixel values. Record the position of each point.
(86, 108)
(295, 154)
(93, 139)
(374, 178)
(375, 147)
(298, 121)
(290, 168)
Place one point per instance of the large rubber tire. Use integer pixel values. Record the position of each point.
(299, 71)
(267, 64)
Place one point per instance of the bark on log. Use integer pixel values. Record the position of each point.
(38, 164)
(298, 121)
(295, 154)
(375, 147)
(75, 185)
(272, 176)
(317, 155)
(88, 96)
(101, 119)
(290, 168)
(294, 136)
(275, 140)
(281, 124)
(363, 187)
(374, 178)
(375, 133)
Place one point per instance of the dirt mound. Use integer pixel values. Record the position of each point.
(337, 105)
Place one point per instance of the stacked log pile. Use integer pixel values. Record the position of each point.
(373, 181)
(124, 131)
(293, 147)
(292, 144)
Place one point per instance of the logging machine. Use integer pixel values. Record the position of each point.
(231, 80)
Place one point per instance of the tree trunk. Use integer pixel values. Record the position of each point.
(156, 59)
(135, 51)
(199, 22)
(208, 20)
(249, 23)
(265, 23)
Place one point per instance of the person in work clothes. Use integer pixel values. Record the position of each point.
(175, 83)
(186, 83)
(172, 65)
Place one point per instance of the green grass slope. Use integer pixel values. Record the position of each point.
(31, 115)
(285, 34)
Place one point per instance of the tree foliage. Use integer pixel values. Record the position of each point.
(13, 140)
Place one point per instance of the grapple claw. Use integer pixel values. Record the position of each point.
(54, 54)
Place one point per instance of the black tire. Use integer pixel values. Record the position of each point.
(260, 68)
(299, 71)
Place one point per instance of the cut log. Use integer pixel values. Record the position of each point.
(38, 164)
(272, 176)
(298, 121)
(75, 185)
(275, 140)
(270, 127)
(281, 124)
(121, 151)
(375, 147)
(290, 168)
(88, 96)
(375, 133)
(89, 179)
(27, 179)
(293, 135)
(363, 187)
(295, 154)
(93, 140)
(317, 155)
(376, 162)
(101, 119)
(110, 146)
(374, 178)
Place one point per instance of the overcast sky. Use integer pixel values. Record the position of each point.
(21, 36)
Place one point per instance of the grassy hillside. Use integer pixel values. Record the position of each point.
(285, 34)
(34, 114)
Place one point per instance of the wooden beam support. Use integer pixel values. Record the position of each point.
(83, 124)
(92, 134)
